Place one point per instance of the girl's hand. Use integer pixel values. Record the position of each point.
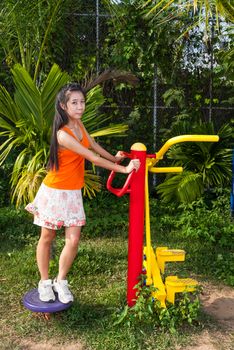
(119, 156)
(133, 165)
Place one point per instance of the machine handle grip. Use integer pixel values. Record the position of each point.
(119, 192)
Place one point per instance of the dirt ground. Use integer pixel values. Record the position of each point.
(217, 302)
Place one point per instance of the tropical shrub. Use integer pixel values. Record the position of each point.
(146, 310)
(206, 165)
(98, 223)
(26, 27)
(25, 123)
(201, 8)
(208, 220)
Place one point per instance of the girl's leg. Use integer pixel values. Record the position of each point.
(43, 251)
(72, 237)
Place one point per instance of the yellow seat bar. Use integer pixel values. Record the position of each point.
(173, 169)
(182, 138)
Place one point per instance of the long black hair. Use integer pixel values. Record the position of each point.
(60, 119)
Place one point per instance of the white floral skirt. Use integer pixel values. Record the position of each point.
(54, 208)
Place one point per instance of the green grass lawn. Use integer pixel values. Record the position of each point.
(97, 279)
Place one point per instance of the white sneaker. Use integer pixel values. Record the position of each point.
(45, 291)
(64, 294)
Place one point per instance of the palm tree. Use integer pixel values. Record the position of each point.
(25, 29)
(151, 8)
(25, 127)
(210, 8)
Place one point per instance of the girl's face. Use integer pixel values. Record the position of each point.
(75, 106)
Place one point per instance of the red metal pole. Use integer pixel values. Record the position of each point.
(136, 223)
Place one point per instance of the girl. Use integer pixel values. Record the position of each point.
(59, 200)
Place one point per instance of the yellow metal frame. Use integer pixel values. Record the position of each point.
(184, 138)
(155, 263)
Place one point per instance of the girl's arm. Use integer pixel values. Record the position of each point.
(99, 149)
(69, 142)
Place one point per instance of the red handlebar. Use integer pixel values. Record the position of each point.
(119, 192)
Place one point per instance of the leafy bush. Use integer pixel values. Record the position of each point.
(16, 230)
(206, 165)
(106, 215)
(4, 185)
(223, 268)
(148, 311)
(208, 221)
(204, 229)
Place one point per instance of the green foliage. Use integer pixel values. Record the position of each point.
(174, 95)
(16, 230)
(149, 311)
(25, 29)
(26, 123)
(224, 266)
(204, 229)
(137, 44)
(5, 169)
(38, 34)
(206, 165)
(210, 222)
(184, 187)
(225, 58)
(98, 279)
(201, 8)
(98, 223)
(147, 49)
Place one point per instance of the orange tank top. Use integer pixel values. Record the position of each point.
(70, 175)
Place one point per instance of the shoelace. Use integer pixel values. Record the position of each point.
(48, 286)
(66, 290)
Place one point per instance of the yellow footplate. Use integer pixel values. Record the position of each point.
(164, 255)
(174, 285)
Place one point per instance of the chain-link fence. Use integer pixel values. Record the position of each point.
(96, 15)
(92, 29)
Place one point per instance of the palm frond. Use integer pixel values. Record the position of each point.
(6, 148)
(202, 9)
(160, 7)
(117, 76)
(184, 187)
(27, 127)
(53, 83)
(190, 187)
(119, 129)
(34, 163)
(27, 185)
(7, 108)
(226, 9)
(93, 119)
(211, 162)
(18, 165)
(27, 96)
(92, 184)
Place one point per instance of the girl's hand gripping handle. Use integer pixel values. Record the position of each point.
(131, 168)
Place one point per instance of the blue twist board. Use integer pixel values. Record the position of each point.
(32, 302)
